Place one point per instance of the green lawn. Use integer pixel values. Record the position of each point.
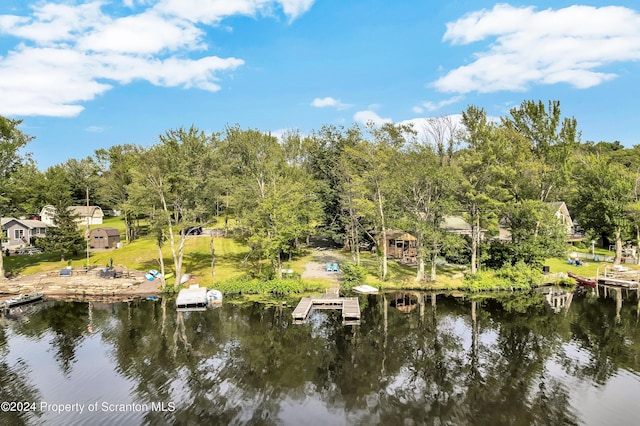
(142, 254)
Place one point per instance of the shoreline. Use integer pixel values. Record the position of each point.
(81, 283)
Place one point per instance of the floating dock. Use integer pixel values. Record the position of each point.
(350, 308)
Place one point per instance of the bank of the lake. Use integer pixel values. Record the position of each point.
(233, 270)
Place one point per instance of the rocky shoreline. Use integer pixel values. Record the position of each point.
(81, 283)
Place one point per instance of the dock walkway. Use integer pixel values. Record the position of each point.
(350, 308)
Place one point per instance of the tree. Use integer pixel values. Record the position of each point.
(11, 141)
(603, 201)
(377, 160)
(116, 164)
(64, 237)
(426, 196)
(170, 181)
(476, 166)
(276, 200)
(536, 234)
(552, 142)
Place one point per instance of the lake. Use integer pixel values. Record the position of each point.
(545, 358)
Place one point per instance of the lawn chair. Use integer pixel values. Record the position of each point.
(335, 268)
(329, 267)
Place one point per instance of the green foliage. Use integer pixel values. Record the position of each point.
(248, 285)
(65, 238)
(352, 275)
(518, 276)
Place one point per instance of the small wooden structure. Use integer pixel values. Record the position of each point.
(402, 246)
(104, 238)
(349, 305)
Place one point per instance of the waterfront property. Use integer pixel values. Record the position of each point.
(20, 231)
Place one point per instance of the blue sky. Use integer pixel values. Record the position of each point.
(85, 75)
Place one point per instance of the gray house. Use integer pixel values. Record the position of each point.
(18, 232)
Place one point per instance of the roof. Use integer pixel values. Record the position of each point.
(27, 223)
(111, 232)
(455, 223)
(86, 211)
(400, 235)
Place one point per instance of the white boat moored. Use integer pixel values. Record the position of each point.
(365, 289)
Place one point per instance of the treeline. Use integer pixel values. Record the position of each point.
(354, 184)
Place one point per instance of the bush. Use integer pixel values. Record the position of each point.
(518, 276)
(248, 285)
(353, 275)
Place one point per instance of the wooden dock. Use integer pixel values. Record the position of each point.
(620, 277)
(350, 308)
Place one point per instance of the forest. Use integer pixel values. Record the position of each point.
(352, 185)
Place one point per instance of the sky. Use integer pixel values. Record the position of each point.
(84, 75)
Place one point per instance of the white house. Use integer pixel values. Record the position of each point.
(84, 214)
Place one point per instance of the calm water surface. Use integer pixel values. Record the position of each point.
(512, 359)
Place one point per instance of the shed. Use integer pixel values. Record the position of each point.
(104, 238)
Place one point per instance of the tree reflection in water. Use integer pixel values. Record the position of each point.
(483, 359)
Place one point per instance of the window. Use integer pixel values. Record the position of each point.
(18, 233)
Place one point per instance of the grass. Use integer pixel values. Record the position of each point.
(142, 254)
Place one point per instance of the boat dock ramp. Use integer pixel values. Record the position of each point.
(349, 305)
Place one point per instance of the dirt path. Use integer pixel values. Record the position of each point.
(317, 268)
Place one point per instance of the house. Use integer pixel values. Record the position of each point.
(20, 231)
(456, 225)
(104, 238)
(402, 245)
(562, 213)
(91, 215)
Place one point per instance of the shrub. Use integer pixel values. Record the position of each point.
(518, 276)
(353, 275)
(248, 285)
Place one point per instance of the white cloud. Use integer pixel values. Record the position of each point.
(529, 47)
(329, 102)
(214, 11)
(369, 116)
(431, 106)
(69, 54)
(95, 129)
(146, 33)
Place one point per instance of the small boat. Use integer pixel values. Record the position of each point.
(214, 297)
(586, 282)
(198, 298)
(21, 300)
(152, 275)
(365, 289)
